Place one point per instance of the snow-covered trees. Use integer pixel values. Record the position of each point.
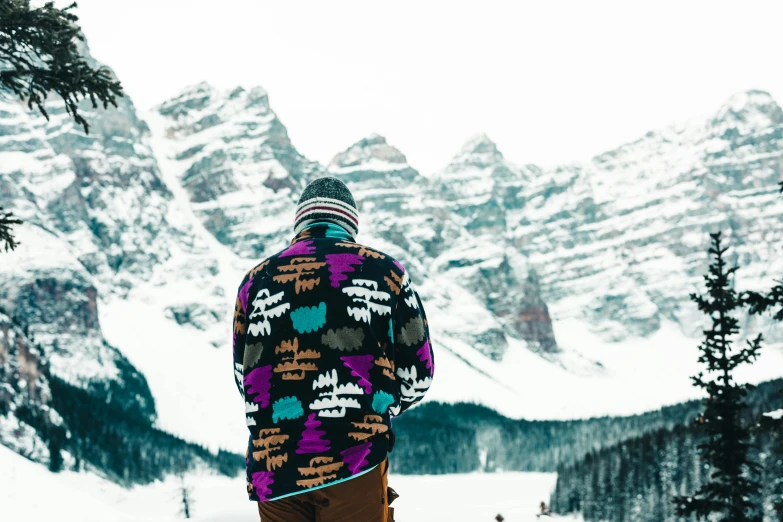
(123, 444)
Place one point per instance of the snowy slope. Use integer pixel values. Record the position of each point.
(85, 497)
(640, 374)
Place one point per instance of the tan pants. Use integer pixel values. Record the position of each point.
(362, 499)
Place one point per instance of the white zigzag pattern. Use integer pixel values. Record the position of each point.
(239, 377)
(366, 293)
(411, 387)
(331, 402)
(261, 302)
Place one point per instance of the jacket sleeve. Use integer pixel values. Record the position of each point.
(240, 329)
(413, 357)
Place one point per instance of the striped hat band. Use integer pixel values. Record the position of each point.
(326, 209)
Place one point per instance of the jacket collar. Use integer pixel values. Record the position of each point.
(323, 229)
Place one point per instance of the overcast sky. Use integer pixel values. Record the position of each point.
(550, 82)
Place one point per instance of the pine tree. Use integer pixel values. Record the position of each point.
(56, 437)
(185, 498)
(730, 489)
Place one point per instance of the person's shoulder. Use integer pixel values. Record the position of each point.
(378, 258)
(287, 251)
(256, 271)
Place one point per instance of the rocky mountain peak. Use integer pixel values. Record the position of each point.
(481, 144)
(230, 144)
(202, 99)
(372, 151)
(372, 139)
(258, 96)
(478, 151)
(752, 109)
(200, 87)
(193, 97)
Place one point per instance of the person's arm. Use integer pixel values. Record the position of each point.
(240, 329)
(413, 355)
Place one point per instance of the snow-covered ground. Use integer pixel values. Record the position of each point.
(30, 493)
(777, 414)
(192, 381)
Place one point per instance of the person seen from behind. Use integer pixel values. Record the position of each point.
(330, 342)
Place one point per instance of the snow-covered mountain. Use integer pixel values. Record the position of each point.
(551, 292)
(101, 226)
(234, 158)
(96, 224)
(432, 230)
(620, 241)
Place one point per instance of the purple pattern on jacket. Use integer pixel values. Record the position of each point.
(355, 457)
(425, 355)
(312, 441)
(243, 293)
(261, 482)
(300, 248)
(340, 265)
(360, 366)
(259, 381)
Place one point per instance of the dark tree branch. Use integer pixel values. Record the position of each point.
(759, 303)
(6, 234)
(39, 55)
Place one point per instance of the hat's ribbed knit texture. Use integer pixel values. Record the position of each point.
(327, 199)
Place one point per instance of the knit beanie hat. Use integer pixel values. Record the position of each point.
(327, 199)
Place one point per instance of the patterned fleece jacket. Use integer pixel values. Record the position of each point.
(330, 342)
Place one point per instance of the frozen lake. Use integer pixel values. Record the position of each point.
(30, 493)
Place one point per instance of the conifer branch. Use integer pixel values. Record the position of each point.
(39, 55)
(7, 220)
